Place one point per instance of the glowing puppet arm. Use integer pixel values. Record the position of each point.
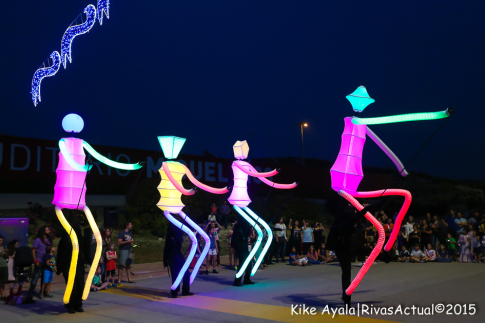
(270, 183)
(109, 162)
(203, 186)
(70, 161)
(253, 172)
(388, 151)
(174, 182)
(405, 117)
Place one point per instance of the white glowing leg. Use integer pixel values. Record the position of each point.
(75, 254)
(189, 232)
(199, 262)
(97, 255)
(256, 245)
(268, 243)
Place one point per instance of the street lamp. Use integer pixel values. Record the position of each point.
(302, 124)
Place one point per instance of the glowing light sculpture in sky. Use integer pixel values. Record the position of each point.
(70, 192)
(171, 191)
(346, 172)
(43, 72)
(239, 198)
(103, 6)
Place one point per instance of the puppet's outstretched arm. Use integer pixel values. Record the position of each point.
(172, 180)
(388, 151)
(207, 188)
(275, 185)
(405, 117)
(70, 161)
(253, 172)
(109, 162)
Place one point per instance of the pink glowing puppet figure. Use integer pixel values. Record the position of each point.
(240, 200)
(70, 192)
(171, 190)
(347, 173)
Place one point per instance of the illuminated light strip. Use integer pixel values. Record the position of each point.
(103, 6)
(377, 249)
(403, 118)
(191, 255)
(268, 243)
(97, 255)
(75, 254)
(204, 252)
(254, 172)
(388, 152)
(70, 161)
(109, 162)
(200, 185)
(174, 182)
(275, 185)
(256, 245)
(400, 215)
(74, 31)
(44, 72)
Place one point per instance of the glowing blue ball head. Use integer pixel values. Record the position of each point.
(171, 146)
(360, 99)
(72, 123)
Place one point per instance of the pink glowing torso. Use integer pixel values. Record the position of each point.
(239, 195)
(69, 191)
(347, 172)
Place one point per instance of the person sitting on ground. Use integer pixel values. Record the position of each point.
(331, 256)
(97, 283)
(394, 253)
(49, 266)
(451, 244)
(17, 298)
(322, 254)
(404, 255)
(429, 253)
(442, 254)
(111, 264)
(294, 258)
(312, 256)
(417, 255)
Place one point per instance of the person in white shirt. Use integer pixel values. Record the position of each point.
(417, 255)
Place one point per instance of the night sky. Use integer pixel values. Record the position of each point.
(219, 71)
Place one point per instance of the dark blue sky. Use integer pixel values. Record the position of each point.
(216, 71)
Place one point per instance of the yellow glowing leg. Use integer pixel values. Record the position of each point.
(97, 255)
(75, 254)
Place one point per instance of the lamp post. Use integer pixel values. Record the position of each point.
(302, 124)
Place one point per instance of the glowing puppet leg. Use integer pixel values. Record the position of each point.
(199, 262)
(401, 214)
(268, 243)
(374, 253)
(97, 255)
(75, 254)
(185, 229)
(256, 245)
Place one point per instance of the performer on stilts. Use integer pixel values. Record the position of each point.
(347, 171)
(171, 190)
(239, 198)
(70, 192)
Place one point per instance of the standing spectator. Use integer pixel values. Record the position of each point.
(476, 249)
(465, 244)
(461, 223)
(212, 217)
(295, 232)
(216, 231)
(442, 254)
(214, 208)
(428, 218)
(213, 250)
(232, 254)
(106, 241)
(426, 234)
(281, 240)
(443, 231)
(125, 243)
(429, 253)
(414, 237)
(451, 243)
(388, 228)
(11, 251)
(38, 251)
(417, 255)
(318, 233)
(435, 226)
(49, 266)
(307, 237)
(3, 269)
(110, 257)
(452, 226)
(225, 209)
(312, 256)
(404, 255)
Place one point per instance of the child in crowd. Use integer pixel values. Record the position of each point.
(331, 257)
(49, 266)
(417, 255)
(429, 253)
(404, 255)
(213, 250)
(97, 283)
(17, 298)
(295, 258)
(451, 243)
(111, 264)
(312, 256)
(322, 254)
(442, 254)
(476, 247)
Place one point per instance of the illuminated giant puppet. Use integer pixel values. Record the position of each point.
(70, 192)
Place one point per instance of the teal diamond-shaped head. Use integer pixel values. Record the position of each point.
(171, 145)
(360, 99)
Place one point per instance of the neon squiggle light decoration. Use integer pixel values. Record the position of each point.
(74, 31)
(103, 6)
(43, 72)
(423, 116)
(109, 162)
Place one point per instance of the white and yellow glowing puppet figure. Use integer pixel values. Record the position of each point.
(240, 200)
(70, 192)
(171, 191)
